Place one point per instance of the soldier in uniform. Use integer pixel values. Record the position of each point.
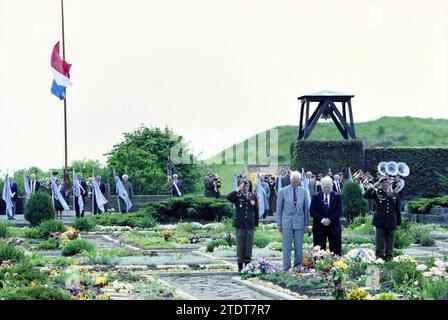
(387, 217)
(245, 221)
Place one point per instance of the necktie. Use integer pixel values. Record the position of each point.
(326, 201)
(295, 197)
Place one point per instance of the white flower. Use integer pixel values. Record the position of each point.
(421, 267)
(415, 283)
(379, 260)
(317, 248)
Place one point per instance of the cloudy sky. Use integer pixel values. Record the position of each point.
(215, 71)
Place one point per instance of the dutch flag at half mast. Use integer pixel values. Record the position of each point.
(61, 73)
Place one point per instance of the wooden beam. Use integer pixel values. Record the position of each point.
(342, 130)
(316, 118)
(307, 116)
(301, 131)
(341, 118)
(352, 124)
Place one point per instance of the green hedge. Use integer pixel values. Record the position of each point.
(425, 205)
(189, 208)
(423, 162)
(319, 156)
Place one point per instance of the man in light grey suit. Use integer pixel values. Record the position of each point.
(292, 219)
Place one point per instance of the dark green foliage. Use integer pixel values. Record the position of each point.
(39, 208)
(423, 162)
(435, 290)
(403, 239)
(425, 205)
(50, 244)
(426, 240)
(8, 252)
(190, 208)
(32, 233)
(142, 219)
(318, 156)
(84, 224)
(3, 230)
(25, 273)
(143, 156)
(394, 274)
(34, 293)
(353, 202)
(77, 246)
(216, 243)
(262, 239)
(147, 222)
(50, 226)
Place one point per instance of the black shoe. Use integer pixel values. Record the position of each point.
(240, 267)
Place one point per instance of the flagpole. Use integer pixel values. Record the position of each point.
(66, 178)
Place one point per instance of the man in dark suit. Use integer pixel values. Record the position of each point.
(337, 184)
(212, 185)
(34, 184)
(284, 180)
(14, 193)
(326, 210)
(177, 187)
(84, 194)
(103, 191)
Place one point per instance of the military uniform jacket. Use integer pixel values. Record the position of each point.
(388, 212)
(246, 214)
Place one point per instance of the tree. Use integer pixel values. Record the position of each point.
(143, 157)
(353, 202)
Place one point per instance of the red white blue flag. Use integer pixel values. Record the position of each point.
(61, 73)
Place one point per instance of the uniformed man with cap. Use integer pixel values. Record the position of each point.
(387, 217)
(245, 221)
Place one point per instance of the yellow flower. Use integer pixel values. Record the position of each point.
(101, 281)
(103, 297)
(53, 272)
(357, 294)
(33, 284)
(340, 265)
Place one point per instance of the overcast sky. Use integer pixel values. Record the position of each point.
(215, 71)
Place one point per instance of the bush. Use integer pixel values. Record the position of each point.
(403, 239)
(39, 208)
(50, 226)
(77, 246)
(146, 222)
(190, 208)
(8, 252)
(358, 240)
(32, 233)
(426, 240)
(49, 245)
(83, 224)
(261, 239)
(357, 222)
(215, 243)
(3, 230)
(435, 290)
(353, 202)
(425, 205)
(34, 293)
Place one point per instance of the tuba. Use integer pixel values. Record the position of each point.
(382, 168)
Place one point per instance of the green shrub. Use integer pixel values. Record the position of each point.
(353, 202)
(25, 273)
(215, 243)
(397, 274)
(426, 240)
(8, 252)
(435, 290)
(262, 239)
(357, 222)
(403, 239)
(425, 205)
(77, 246)
(146, 222)
(386, 296)
(3, 230)
(32, 233)
(39, 208)
(50, 226)
(34, 293)
(190, 208)
(83, 224)
(50, 244)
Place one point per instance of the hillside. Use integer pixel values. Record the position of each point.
(383, 132)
